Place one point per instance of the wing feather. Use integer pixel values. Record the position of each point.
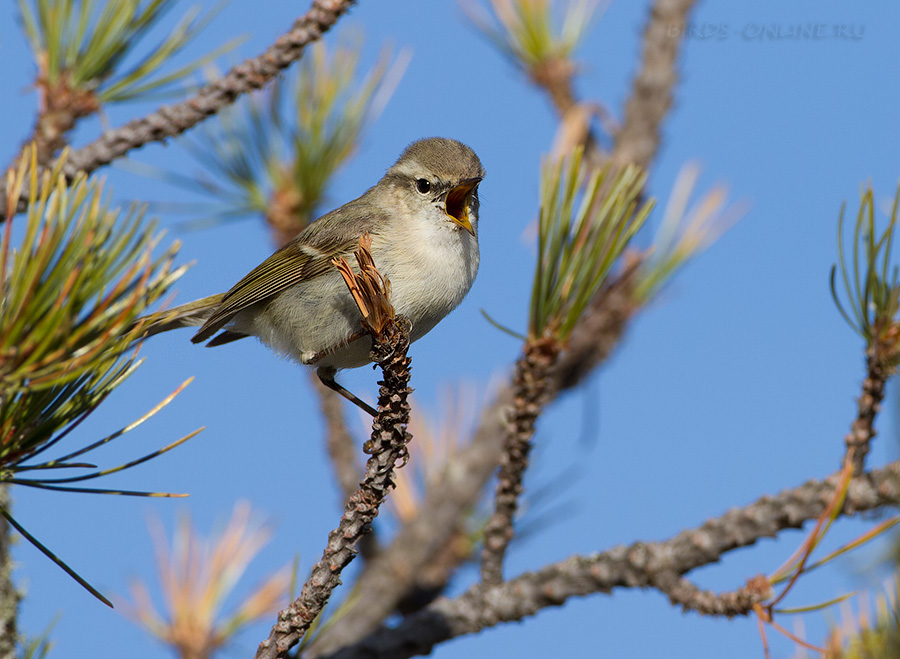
(308, 256)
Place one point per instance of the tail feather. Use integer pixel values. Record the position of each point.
(192, 314)
(222, 338)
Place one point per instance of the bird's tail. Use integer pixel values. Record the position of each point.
(191, 314)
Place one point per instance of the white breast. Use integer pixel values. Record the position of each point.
(431, 266)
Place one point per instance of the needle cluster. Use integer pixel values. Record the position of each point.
(70, 294)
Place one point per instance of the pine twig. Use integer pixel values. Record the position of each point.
(340, 444)
(387, 447)
(531, 386)
(62, 105)
(9, 594)
(651, 95)
(416, 546)
(705, 602)
(862, 431)
(169, 121)
(555, 78)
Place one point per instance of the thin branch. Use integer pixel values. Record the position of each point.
(9, 594)
(169, 121)
(555, 77)
(342, 448)
(389, 577)
(387, 447)
(61, 106)
(637, 142)
(531, 383)
(652, 91)
(862, 431)
(740, 602)
(635, 566)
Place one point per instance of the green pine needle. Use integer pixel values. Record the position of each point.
(586, 221)
(871, 288)
(688, 227)
(70, 295)
(281, 147)
(503, 328)
(53, 557)
(83, 43)
(527, 31)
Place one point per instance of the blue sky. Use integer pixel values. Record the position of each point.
(738, 380)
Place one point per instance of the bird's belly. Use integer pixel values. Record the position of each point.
(313, 325)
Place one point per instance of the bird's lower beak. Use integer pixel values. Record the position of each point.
(458, 203)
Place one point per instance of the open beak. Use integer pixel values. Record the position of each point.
(457, 207)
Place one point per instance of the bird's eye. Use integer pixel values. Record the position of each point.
(423, 185)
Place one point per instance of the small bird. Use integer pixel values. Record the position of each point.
(422, 217)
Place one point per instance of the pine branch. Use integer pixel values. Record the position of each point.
(636, 566)
(173, 120)
(62, 106)
(530, 386)
(871, 306)
(651, 94)
(862, 431)
(739, 602)
(9, 594)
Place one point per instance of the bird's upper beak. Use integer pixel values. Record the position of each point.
(457, 208)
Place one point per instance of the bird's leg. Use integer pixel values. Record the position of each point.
(326, 377)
